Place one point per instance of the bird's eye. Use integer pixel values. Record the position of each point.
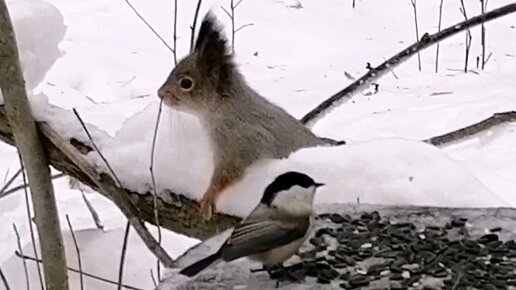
(186, 83)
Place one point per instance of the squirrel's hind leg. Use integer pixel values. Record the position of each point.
(221, 179)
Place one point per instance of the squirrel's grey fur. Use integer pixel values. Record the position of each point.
(243, 126)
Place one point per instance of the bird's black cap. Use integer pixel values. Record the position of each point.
(286, 181)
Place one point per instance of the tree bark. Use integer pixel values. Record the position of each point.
(33, 155)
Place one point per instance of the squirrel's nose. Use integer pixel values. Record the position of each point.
(162, 92)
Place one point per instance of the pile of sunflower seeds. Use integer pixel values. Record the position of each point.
(370, 252)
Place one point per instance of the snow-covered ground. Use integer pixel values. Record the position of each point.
(296, 53)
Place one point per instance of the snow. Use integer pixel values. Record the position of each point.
(37, 48)
(98, 57)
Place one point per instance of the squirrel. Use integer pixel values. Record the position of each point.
(243, 127)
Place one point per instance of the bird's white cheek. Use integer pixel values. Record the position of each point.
(298, 208)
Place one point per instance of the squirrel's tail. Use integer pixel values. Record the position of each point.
(198, 266)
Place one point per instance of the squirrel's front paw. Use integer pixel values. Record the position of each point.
(206, 208)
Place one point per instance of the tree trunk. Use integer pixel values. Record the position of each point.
(33, 155)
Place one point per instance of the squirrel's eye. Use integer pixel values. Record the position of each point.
(186, 84)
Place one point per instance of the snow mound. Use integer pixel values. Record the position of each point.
(388, 171)
(39, 28)
(383, 171)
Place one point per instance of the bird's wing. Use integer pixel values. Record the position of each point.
(258, 237)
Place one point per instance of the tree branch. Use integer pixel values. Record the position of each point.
(194, 24)
(494, 120)
(376, 73)
(33, 155)
(185, 219)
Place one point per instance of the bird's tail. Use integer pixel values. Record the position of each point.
(198, 266)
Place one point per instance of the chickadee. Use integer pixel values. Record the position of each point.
(274, 230)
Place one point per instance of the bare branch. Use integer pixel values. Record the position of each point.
(79, 261)
(93, 212)
(489, 57)
(376, 73)
(153, 178)
(10, 181)
(175, 32)
(23, 257)
(6, 174)
(25, 268)
(153, 279)
(494, 120)
(33, 154)
(229, 14)
(468, 37)
(29, 221)
(122, 257)
(151, 28)
(111, 171)
(4, 280)
(243, 26)
(414, 6)
(194, 24)
(483, 7)
(20, 187)
(438, 30)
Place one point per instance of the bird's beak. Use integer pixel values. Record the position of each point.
(319, 184)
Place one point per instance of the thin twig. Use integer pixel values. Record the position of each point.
(6, 174)
(93, 212)
(353, 5)
(4, 280)
(122, 257)
(438, 30)
(23, 257)
(175, 32)
(194, 24)
(115, 177)
(153, 279)
(414, 6)
(153, 178)
(232, 27)
(150, 27)
(466, 132)
(376, 73)
(77, 250)
(10, 181)
(243, 26)
(29, 220)
(489, 57)
(25, 268)
(468, 37)
(20, 187)
(227, 13)
(483, 4)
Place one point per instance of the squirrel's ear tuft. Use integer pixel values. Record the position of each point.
(211, 43)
